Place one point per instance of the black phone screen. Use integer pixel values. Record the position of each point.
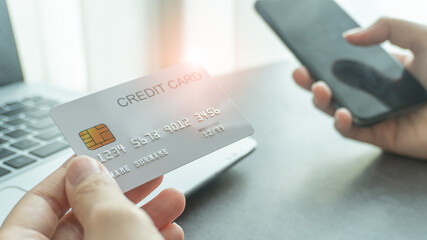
(366, 80)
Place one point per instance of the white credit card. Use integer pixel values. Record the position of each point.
(149, 126)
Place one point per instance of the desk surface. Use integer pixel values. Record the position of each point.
(304, 181)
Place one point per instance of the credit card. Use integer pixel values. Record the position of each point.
(149, 126)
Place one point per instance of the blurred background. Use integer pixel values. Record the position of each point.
(88, 45)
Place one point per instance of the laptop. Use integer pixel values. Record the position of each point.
(31, 147)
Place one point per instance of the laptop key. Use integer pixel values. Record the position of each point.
(25, 109)
(15, 104)
(34, 98)
(24, 144)
(17, 133)
(3, 172)
(48, 102)
(39, 114)
(49, 134)
(5, 153)
(19, 162)
(48, 150)
(17, 122)
(13, 112)
(42, 124)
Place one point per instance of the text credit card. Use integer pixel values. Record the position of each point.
(149, 126)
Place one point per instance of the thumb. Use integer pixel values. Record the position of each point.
(100, 206)
(402, 33)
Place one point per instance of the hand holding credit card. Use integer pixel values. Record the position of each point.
(149, 126)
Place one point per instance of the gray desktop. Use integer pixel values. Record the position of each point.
(305, 181)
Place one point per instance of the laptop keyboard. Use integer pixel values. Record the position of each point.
(27, 134)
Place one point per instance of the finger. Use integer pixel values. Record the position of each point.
(68, 228)
(165, 207)
(46, 201)
(302, 78)
(172, 232)
(344, 125)
(101, 207)
(136, 195)
(405, 59)
(323, 97)
(399, 32)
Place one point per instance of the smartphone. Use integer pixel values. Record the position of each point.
(368, 81)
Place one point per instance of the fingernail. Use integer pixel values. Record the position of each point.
(80, 168)
(337, 122)
(351, 31)
(316, 102)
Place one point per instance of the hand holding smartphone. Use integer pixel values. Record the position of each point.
(365, 80)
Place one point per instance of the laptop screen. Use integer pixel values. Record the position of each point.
(10, 68)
